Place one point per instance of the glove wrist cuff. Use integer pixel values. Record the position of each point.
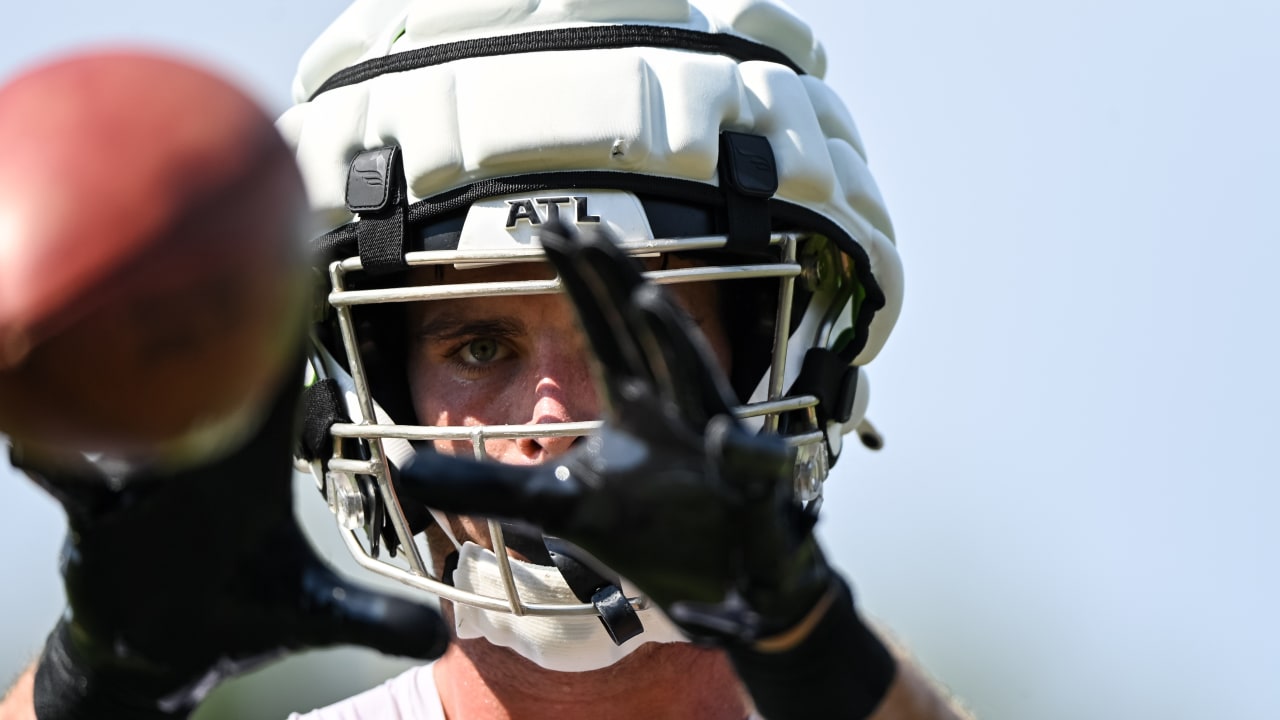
(835, 667)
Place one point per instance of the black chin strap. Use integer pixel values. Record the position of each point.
(588, 585)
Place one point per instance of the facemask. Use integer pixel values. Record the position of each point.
(568, 643)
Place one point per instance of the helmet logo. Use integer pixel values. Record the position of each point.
(526, 209)
(516, 220)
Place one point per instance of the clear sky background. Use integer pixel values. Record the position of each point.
(1075, 514)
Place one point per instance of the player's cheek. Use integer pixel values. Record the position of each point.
(442, 399)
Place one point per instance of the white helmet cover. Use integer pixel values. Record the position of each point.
(479, 120)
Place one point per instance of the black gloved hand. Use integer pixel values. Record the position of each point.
(673, 493)
(178, 580)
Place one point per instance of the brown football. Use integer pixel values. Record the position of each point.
(152, 266)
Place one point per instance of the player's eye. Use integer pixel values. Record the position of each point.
(480, 351)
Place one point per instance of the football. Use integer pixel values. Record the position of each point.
(153, 275)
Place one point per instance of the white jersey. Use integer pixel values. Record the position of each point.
(410, 695)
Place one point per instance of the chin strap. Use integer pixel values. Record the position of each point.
(616, 614)
(582, 573)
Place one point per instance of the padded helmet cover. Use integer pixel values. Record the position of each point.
(656, 111)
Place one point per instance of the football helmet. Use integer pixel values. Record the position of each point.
(445, 134)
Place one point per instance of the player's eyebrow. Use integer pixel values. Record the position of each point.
(448, 327)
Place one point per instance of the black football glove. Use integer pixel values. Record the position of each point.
(178, 580)
(677, 496)
(673, 493)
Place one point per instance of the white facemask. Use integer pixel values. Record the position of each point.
(573, 643)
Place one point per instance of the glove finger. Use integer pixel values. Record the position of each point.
(467, 487)
(599, 279)
(342, 612)
(684, 367)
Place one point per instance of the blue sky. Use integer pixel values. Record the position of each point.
(1075, 512)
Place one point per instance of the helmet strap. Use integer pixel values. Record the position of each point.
(376, 191)
(748, 177)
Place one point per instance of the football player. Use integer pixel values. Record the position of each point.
(600, 279)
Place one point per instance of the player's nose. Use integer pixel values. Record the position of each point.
(563, 392)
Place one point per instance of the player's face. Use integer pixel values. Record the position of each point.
(513, 360)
